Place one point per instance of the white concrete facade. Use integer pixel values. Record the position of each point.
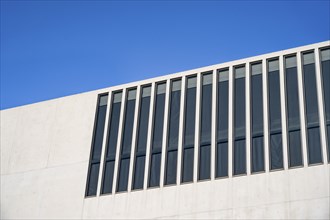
(45, 150)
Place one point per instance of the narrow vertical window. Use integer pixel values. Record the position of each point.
(110, 156)
(257, 145)
(125, 151)
(222, 127)
(239, 122)
(173, 133)
(275, 125)
(325, 65)
(157, 140)
(292, 100)
(142, 133)
(312, 114)
(205, 128)
(94, 161)
(189, 132)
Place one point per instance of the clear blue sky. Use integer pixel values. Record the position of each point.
(51, 49)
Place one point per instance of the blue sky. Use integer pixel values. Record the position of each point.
(51, 49)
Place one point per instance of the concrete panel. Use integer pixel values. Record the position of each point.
(277, 187)
(9, 120)
(257, 189)
(221, 194)
(240, 192)
(20, 195)
(309, 183)
(90, 208)
(34, 135)
(310, 209)
(73, 128)
(62, 192)
(170, 201)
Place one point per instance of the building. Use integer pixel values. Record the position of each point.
(243, 139)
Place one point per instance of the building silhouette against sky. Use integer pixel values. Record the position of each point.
(243, 139)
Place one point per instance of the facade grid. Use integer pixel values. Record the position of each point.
(256, 115)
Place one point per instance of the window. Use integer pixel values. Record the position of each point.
(312, 114)
(125, 154)
(110, 156)
(205, 128)
(292, 99)
(157, 141)
(257, 151)
(189, 132)
(222, 127)
(142, 133)
(94, 161)
(325, 67)
(173, 133)
(275, 125)
(239, 121)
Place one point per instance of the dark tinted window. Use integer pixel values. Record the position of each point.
(126, 145)
(325, 65)
(189, 131)
(275, 125)
(257, 154)
(239, 150)
(311, 105)
(94, 163)
(205, 129)
(111, 143)
(156, 147)
(142, 133)
(173, 133)
(222, 126)
(295, 155)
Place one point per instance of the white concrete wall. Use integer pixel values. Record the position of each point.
(44, 158)
(45, 151)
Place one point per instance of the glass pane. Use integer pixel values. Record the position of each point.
(123, 175)
(126, 142)
(93, 179)
(326, 87)
(258, 162)
(206, 110)
(239, 157)
(139, 172)
(155, 170)
(239, 107)
(274, 101)
(108, 177)
(223, 108)
(190, 113)
(171, 167)
(222, 160)
(159, 118)
(276, 151)
(257, 104)
(173, 133)
(98, 132)
(292, 98)
(174, 119)
(295, 154)
(143, 124)
(156, 147)
(188, 165)
(311, 94)
(314, 146)
(98, 135)
(204, 162)
(113, 131)
(128, 127)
